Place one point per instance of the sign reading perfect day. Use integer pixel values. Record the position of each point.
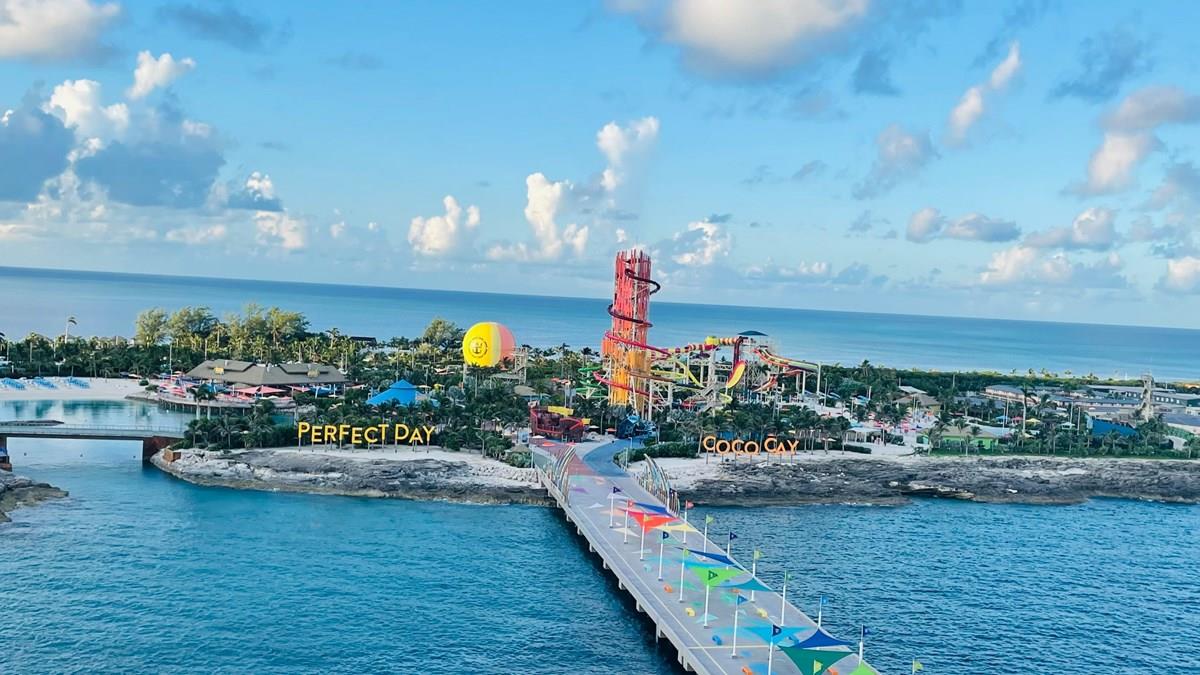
(737, 446)
(379, 434)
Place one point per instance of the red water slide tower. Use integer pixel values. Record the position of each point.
(625, 347)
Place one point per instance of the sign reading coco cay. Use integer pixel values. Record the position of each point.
(737, 446)
(378, 434)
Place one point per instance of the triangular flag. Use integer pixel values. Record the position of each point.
(714, 577)
(649, 521)
(708, 520)
(719, 557)
(757, 554)
(813, 661)
(751, 584)
(774, 634)
(821, 639)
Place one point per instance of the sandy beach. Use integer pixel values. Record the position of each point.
(97, 389)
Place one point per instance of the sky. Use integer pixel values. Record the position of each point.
(1028, 159)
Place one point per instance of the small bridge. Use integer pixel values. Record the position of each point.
(153, 438)
(715, 611)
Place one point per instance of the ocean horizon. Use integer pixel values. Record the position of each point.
(106, 303)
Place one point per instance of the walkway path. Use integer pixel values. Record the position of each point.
(705, 642)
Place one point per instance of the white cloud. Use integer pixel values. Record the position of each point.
(971, 106)
(747, 37)
(197, 235)
(929, 224)
(701, 244)
(899, 154)
(966, 113)
(1129, 136)
(154, 73)
(1028, 266)
(441, 235)
(798, 272)
(277, 229)
(52, 29)
(1003, 74)
(77, 103)
(544, 201)
(1112, 164)
(1152, 107)
(1092, 229)
(1182, 276)
(925, 225)
(621, 144)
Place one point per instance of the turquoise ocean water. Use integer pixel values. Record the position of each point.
(106, 304)
(139, 572)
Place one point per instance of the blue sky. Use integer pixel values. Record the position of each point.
(1026, 159)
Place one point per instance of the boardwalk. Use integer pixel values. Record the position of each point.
(88, 431)
(581, 479)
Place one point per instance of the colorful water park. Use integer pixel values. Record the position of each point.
(644, 379)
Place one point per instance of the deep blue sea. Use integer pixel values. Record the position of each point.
(106, 304)
(139, 572)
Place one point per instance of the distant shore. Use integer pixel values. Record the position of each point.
(403, 473)
(17, 491)
(97, 389)
(857, 479)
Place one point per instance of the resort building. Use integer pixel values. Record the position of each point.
(238, 374)
(1007, 392)
(977, 437)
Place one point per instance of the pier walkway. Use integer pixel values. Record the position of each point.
(626, 530)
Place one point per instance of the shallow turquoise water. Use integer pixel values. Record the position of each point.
(137, 571)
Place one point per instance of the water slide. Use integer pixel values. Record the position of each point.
(777, 361)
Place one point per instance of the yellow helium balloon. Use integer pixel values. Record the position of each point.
(487, 344)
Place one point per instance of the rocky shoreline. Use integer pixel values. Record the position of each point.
(894, 481)
(471, 480)
(18, 491)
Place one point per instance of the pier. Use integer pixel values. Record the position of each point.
(719, 617)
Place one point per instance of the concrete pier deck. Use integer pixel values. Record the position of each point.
(581, 479)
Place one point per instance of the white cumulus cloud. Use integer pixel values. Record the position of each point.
(154, 73)
(194, 236)
(437, 236)
(1092, 229)
(1027, 266)
(1182, 276)
(544, 201)
(620, 145)
(77, 103)
(277, 229)
(52, 29)
(746, 38)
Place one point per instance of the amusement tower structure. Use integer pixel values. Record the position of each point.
(624, 346)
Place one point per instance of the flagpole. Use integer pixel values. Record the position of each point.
(611, 507)
(862, 638)
(770, 655)
(753, 573)
(682, 558)
(707, 588)
(783, 603)
(662, 540)
(736, 597)
(820, 608)
(706, 533)
(729, 546)
(625, 540)
(685, 525)
(642, 542)
(914, 665)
